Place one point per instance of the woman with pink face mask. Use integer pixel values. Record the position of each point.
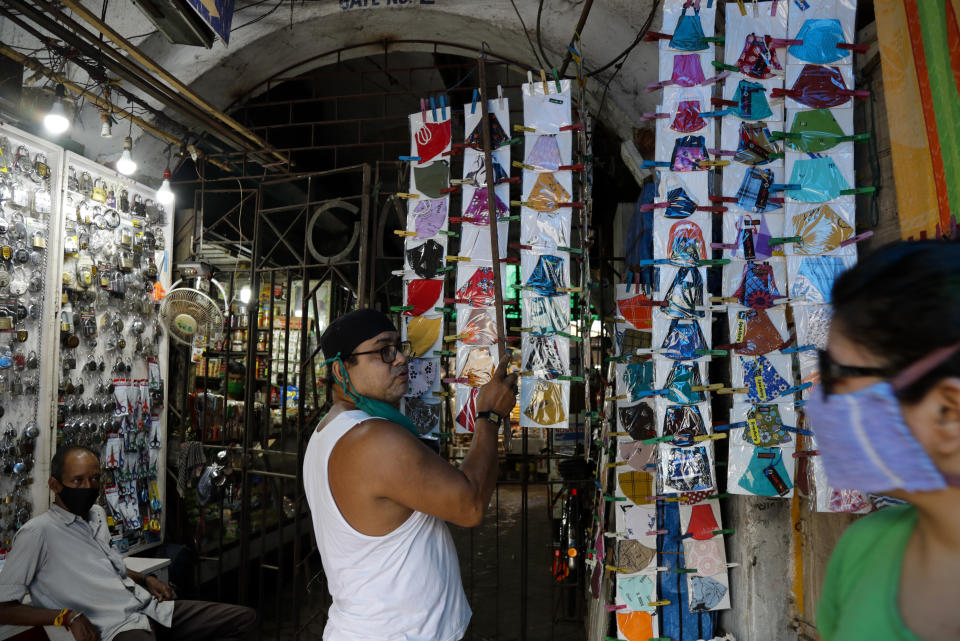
(887, 420)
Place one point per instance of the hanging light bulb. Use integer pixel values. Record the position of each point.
(126, 164)
(165, 194)
(106, 130)
(56, 120)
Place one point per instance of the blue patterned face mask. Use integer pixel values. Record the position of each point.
(682, 379)
(818, 179)
(763, 382)
(683, 339)
(751, 99)
(638, 378)
(685, 294)
(688, 35)
(820, 38)
(547, 277)
(679, 204)
(766, 474)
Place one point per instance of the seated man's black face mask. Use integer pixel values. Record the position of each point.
(79, 500)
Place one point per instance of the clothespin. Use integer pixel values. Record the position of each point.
(473, 104)
(729, 426)
(610, 607)
(443, 106)
(407, 196)
(543, 80)
(530, 78)
(556, 79)
(403, 308)
(433, 108)
(797, 349)
(742, 7)
(856, 239)
(455, 337)
(423, 109)
(806, 453)
(404, 233)
(409, 158)
(500, 97)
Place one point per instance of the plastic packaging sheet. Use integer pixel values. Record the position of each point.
(475, 365)
(637, 419)
(475, 242)
(684, 241)
(765, 424)
(475, 170)
(817, 86)
(686, 469)
(685, 104)
(547, 357)
(754, 332)
(752, 186)
(829, 499)
(475, 285)
(476, 204)
(427, 216)
(751, 234)
(631, 307)
(544, 403)
(766, 378)
(634, 381)
(425, 375)
(679, 339)
(754, 98)
(836, 23)
(684, 290)
(425, 414)
(760, 471)
(476, 326)
(677, 379)
(424, 333)
(422, 294)
(684, 192)
(466, 409)
(636, 556)
(548, 152)
(684, 151)
(636, 486)
(498, 111)
(425, 258)
(638, 456)
(820, 179)
(688, 26)
(818, 130)
(813, 328)
(811, 277)
(821, 228)
(753, 141)
(754, 56)
(429, 179)
(708, 588)
(756, 285)
(546, 315)
(635, 521)
(429, 135)
(683, 422)
(547, 111)
(544, 274)
(545, 230)
(687, 69)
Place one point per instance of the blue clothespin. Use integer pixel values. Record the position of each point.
(443, 107)
(729, 426)
(648, 164)
(473, 105)
(797, 430)
(787, 187)
(409, 158)
(715, 114)
(798, 348)
(796, 388)
(433, 108)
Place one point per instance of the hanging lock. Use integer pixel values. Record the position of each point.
(40, 167)
(99, 191)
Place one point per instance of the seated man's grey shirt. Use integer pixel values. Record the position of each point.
(63, 561)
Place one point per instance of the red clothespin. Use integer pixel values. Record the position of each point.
(576, 205)
(577, 167)
(720, 102)
(450, 190)
(721, 152)
(806, 453)
(779, 43)
(577, 126)
(510, 260)
(652, 206)
(713, 210)
(652, 36)
(715, 79)
(654, 116)
(423, 109)
(722, 199)
(659, 85)
(865, 235)
(849, 46)
(858, 94)
(519, 246)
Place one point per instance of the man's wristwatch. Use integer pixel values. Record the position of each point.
(491, 416)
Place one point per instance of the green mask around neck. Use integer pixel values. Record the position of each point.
(373, 407)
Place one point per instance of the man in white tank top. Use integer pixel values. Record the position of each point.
(379, 497)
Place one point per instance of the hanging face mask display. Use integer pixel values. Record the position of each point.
(423, 333)
(685, 245)
(683, 340)
(819, 87)
(543, 403)
(548, 276)
(547, 194)
(545, 155)
(687, 119)
(765, 427)
(818, 42)
(477, 175)
(755, 146)
(817, 130)
(467, 401)
(765, 473)
(431, 179)
(821, 230)
(638, 421)
(545, 316)
(629, 340)
(686, 469)
(547, 230)
(681, 380)
(425, 415)
(634, 556)
(476, 326)
(636, 486)
(430, 138)
(811, 277)
(684, 422)
(478, 209)
(762, 380)
(477, 289)
(754, 332)
(819, 180)
(498, 135)
(688, 153)
(634, 308)
(688, 34)
(547, 357)
(428, 217)
(422, 295)
(426, 259)
(758, 58)
(751, 101)
(755, 193)
(687, 70)
(679, 204)
(758, 287)
(633, 379)
(475, 365)
(685, 294)
(422, 374)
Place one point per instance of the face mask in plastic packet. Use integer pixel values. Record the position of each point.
(688, 34)
(432, 138)
(630, 340)
(432, 179)
(685, 244)
(422, 295)
(751, 99)
(818, 87)
(753, 240)
(545, 316)
(543, 358)
(765, 427)
(756, 333)
(679, 204)
(429, 216)
(426, 259)
(478, 291)
(821, 230)
(758, 288)
(546, 404)
(766, 474)
(683, 421)
(548, 229)
(688, 152)
(755, 193)
(755, 146)
(815, 131)
(702, 524)
(815, 278)
(685, 294)
(477, 367)
(636, 311)
(638, 456)
(681, 380)
(820, 180)
(479, 329)
(637, 592)
(758, 58)
(423, 332)
(820, 38)
(425, 416)
(545, 155)
(638, 421)
(706, 593)
(762, 380)
(498, 136)
(636, 486)
(467, 417)
(634, 556)
(422, 374)
(548, 276)
(687, 70)
(478, 173)
(705, 555)
(547, 194)
(687, 119)
(683, 339)
(478, 211)
(687, 469)
(638, 378)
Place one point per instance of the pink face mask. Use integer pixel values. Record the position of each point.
(759, 58)
(820, 87)
(687, 70)
(688, 119)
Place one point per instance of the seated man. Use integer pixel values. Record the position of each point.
(63, 559)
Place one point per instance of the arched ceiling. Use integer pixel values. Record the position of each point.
(274, 36)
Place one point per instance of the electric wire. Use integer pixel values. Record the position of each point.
(526, 33)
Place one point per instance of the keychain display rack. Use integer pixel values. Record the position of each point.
(85, 257)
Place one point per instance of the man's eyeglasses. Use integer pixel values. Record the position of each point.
(388, 353)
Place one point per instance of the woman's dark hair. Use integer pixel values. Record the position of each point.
(903, 302)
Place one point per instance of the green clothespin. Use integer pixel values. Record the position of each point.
(402, 308)
(711, 352)
(783, 240)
